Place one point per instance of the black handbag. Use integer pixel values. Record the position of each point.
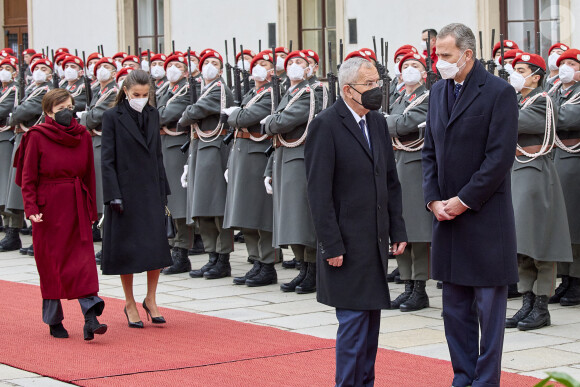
(169, 224)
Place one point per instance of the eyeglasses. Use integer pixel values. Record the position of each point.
(370, 84)
(68, 107)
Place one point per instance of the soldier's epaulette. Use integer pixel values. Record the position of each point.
(260, 90)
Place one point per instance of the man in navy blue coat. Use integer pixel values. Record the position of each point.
(470, 143)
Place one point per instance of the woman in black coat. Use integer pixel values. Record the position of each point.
(135, 193)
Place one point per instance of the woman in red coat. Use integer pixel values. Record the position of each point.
(57, 176)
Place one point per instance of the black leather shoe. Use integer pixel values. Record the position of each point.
(181, 262)
(250, 274)
(138, 324)
(30, 251)
(291, 286)
(58, 331)
(266, 276)
(11, 241)
(572, 295)
(26, 230)
(560, 290)
(93, 326)
(391, 276)
(418, 300)
(213, 257)
(221, 269)
(527, 306)
(96, 233)
(308, 285)
(154, 320)
(538, 317)
(98, 257)
(289, 264)
(24, 250)
(396, 303)
(197, 248)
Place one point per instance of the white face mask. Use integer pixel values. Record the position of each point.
(424, 45)
(39, 76)
(138, 103)
(295, 72)
(518, 81)
(173, 74)
(449, 70)
(411, 76)
(309, 72)
(259, 73)
(91, 70)
(71, 74)
(279, 63)
(566, 73)
(509, 68)
(496, 60)
(103, 74)
(552, 59)
(145, 65)
(60, 71)
(209, 72)
(157, 72)
(243, 65)
(5, 76)
(397, 71)
(193, 67)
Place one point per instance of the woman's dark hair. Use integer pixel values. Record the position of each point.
(55, 97)
(135, 77)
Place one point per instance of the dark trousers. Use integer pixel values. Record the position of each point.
(476, 362)
(357, 340)
(52, 309)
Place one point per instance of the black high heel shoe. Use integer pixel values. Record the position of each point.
(154, 320)
(138, 324)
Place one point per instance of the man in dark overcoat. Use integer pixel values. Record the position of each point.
(470, 143)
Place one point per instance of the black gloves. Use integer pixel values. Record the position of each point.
(117, 206)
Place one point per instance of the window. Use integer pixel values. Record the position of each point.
(317, 27)
(536, 16)
(149, 25)
(15, 25)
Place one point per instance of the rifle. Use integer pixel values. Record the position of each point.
(259, 45)
(87, 82)
(228, 68)
(151, 80)
(192, 96)
(483, 61)
(21, 75)
(431, 76)
(529, 45)
(538, 43)
(237, 80)
(491, 63)
(275, 98)
(55, 79)
(331, 77)
(341, 54)
(128, 50)
(245, 74)
(290, 46)
(102, 51)
(503, 74)
(173, 47)
(76, 52)
(386, 81)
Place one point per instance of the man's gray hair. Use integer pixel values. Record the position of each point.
(464, 38)
(348, 72)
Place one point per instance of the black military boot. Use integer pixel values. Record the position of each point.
(98, 257)
(181, 263)
(572, 295)
(92, 325)
(418, 300)
(96, 233)
(391, 276)
(538, 317)
(30, 251)
(266, 276)
(396, 303)
(239, 237)
(308, 285)
(197, 248)
(513, 291)
(213, 257)
(527, 306)
(221, 269)
(289, 264)
(291, 286)
(24, 250)
(560, 290)
(250, 274)
(58, 331)
(26, 230)
(11, 241)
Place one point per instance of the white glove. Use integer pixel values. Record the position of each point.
(422, 125)
(264, 120)
(184, 176)
(226, 176)
(79, 115)
(230, 110)
(268, 185)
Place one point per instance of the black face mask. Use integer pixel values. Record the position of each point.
(371, 99)
(64, 117)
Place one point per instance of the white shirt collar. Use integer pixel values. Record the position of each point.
(357, 118)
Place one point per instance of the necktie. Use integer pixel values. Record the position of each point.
(361, 123)
(457, 89)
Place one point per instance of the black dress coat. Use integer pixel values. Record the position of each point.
(470, 154)
(355, 199)
(132, 165)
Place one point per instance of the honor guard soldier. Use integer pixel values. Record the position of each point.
(543, 237)
(245, 176)
(408, 113)
(553, 79)
(430, 32)
(33, 59)
(158, 73)
(508, 57)
(281, 55)
(208, 156)
(27, 55)
(171, 104)
(74, 76)
(567, 161)
(145, 59)
(25, 115)
(292, 219)
(5, 53)
(92, 60)
(121, 75)
(507, 45)
(319, 89)
(59, 69)
(8, 101)
(105, 71)
(131, 61)
(195, 71)
(397, 86)
(118, 58)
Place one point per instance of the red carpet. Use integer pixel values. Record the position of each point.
(193, 350)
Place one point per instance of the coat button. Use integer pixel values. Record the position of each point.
(380, 240)
(379, 207)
